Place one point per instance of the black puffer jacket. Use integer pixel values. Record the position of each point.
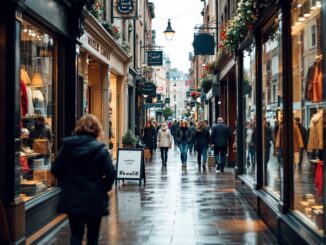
(150, 137)
(85, 173)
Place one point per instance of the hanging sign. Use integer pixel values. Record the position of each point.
(167, 100)
(130, 164)
(149, 89)
(125, 9)
(154, 58)
(204, 44)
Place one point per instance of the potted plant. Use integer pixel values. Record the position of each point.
(129, 140)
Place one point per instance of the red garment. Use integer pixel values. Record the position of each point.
(319, 177)
(315, 82)
(24, 164)
(23, 99)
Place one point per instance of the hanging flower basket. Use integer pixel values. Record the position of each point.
(237, 28)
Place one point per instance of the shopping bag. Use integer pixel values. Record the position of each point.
(41, 146)
(147, 154)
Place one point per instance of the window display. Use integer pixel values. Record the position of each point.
(249, 110)
(36, 111)
(272, 107)
(307, 111)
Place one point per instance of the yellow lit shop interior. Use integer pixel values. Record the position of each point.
(36, 111)
(307, 111)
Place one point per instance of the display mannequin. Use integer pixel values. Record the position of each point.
(315, 140)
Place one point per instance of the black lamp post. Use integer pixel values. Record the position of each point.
(169, 32)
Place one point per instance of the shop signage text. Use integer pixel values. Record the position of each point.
(100, 49)
(154, 58)
(125, 9)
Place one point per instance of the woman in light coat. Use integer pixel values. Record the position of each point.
(164, 141)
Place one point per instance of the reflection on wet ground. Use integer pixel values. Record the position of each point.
(178, 207)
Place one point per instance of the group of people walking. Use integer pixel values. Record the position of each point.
(85, 171)
(189, 137)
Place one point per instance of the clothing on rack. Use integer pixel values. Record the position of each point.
(24, 76)
(315, 141)
(23, 99)
(30, 108)
(39, 102)
(314, 82)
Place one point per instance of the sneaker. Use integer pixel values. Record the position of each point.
(218, 169)
(204, 167)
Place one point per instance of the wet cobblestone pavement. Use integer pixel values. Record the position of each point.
(177, 207)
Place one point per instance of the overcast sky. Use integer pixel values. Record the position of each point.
(184, 15)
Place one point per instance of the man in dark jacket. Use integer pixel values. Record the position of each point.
(220, 139)
(174, 129)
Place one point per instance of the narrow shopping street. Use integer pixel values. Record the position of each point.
(177, 207)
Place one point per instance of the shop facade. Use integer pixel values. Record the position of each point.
(104, 90)
(281, 108)
(38, 70)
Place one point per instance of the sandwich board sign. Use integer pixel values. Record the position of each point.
(130, 164)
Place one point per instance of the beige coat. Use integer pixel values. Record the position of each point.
(297, 139)
(164, 138)
(315, 141)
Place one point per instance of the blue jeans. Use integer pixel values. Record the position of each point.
(191, 146)
(200, 152)
(220, 156)
(183, 152)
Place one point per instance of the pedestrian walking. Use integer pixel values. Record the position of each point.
(85, 173)
(157, 128)
(164, 141)
(192, 135)
(149, 138)
(174, 129)
(220, 139)
(183, 138)
(202, 139)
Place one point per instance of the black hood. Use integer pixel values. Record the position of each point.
(81, 146)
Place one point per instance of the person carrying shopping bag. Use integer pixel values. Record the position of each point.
(149, 138)
(164, 141)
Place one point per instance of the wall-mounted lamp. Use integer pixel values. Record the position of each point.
(169, 32)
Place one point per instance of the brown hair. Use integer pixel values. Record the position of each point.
(89, 124)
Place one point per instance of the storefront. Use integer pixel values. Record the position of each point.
(103, 76)
(281, 103)
(227, 97)
(35, 113)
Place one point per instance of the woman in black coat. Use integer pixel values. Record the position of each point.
(202, 138)
(149, 138)
(85, 173)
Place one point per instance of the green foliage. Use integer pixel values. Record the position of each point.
(129, 138)
(206, 83)
(167, 112)
(112, 29)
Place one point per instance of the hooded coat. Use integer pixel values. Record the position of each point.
(164, 137)
(85, 173)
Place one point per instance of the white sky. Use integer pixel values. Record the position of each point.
(184, 15)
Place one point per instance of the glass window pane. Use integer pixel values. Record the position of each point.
(36, 110)
(307, 111)
(249, 110)
(272, 106)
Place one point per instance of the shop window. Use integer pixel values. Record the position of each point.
(307, 112)
(249, 110)
(36, 110)
(272, 108)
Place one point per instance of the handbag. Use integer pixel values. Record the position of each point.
(41, 146)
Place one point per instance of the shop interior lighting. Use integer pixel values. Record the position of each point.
(318, 4)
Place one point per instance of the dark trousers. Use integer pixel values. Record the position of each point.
(77, 227)
(220, 156)
(164, 154)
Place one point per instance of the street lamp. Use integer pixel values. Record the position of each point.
(169, 32)
(175, 109)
